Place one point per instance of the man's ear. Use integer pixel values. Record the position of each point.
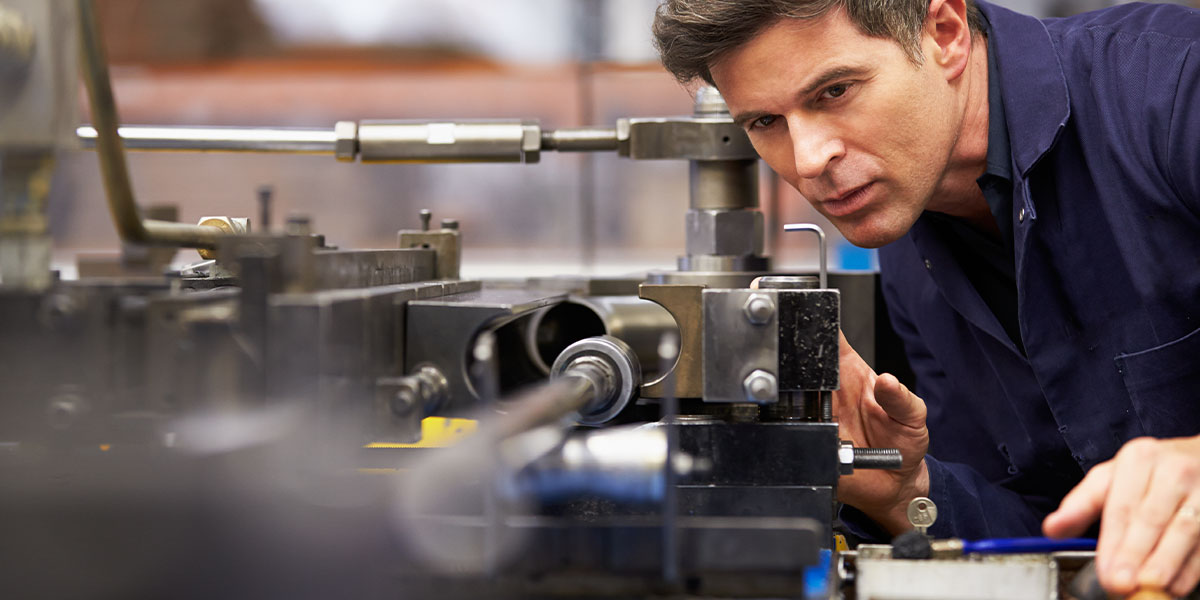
(947, 36)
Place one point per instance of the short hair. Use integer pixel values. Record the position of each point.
(692, 34)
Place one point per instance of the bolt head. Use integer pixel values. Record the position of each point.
(759, 309)
(760, 386)
(405, 400)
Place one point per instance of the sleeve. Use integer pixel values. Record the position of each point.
(969, 505)
(1183, 138)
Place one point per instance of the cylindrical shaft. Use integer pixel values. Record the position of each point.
(724, 184)
(219, 139)
(580, 140)
(448, 142)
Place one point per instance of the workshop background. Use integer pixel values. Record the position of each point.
(309, 63)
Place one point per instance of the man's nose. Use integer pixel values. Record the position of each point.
(814, 148)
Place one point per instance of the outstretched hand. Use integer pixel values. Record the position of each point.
(1148, 501)
(877, 411)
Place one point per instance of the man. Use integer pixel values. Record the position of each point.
(1034, 188)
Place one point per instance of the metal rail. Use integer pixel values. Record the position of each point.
(113, 169)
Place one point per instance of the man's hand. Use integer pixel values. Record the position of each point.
(1148, 502)
(877, 411)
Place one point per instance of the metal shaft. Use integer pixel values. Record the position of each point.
(113, 168)
(280, 140)
(219, 139)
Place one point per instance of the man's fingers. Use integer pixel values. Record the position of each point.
(1082, 506)
(900, 404)
(1147, 525)
(1178, 546)
(1187, 578)
(1131, 477)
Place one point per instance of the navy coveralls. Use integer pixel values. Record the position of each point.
(1103, 120)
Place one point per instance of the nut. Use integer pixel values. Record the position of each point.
(345, 149)
(760, 387)
(759, 309)
(725, 232)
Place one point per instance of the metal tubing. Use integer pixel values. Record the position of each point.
(219, 139)
(113, 168)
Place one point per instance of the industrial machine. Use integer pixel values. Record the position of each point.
(261, 422)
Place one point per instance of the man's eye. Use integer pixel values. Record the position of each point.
(762, 122)
(835, 91)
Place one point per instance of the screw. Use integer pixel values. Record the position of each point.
(266, 194)
(759, 309)
(426, 217)
(760, 386)
(298, 225)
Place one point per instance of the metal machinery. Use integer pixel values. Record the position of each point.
(253, 424)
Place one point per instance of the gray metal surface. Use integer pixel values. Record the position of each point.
(724, 232)
(612, 367)
(723, 184)
(580, 140)
(418, 142)
(735, 347)
(709, 137)
(1030, 577)
(446, 244)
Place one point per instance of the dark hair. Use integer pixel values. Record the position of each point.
(691, 34)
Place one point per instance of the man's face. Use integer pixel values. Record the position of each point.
(847, 119)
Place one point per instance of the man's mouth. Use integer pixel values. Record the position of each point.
(848, 201)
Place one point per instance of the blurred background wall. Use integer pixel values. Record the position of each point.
(309, 63)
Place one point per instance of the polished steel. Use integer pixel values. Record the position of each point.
(580, 140)
(685, 380)
(426, 142)
(732, 233)
(761, 387)
(738, 354)
(723, 184)
(759, 309)
(613, 370)
(220, 139)
(707, 137)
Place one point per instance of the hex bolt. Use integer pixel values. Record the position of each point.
(449, 223)
(760, 387)
(759, 309)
